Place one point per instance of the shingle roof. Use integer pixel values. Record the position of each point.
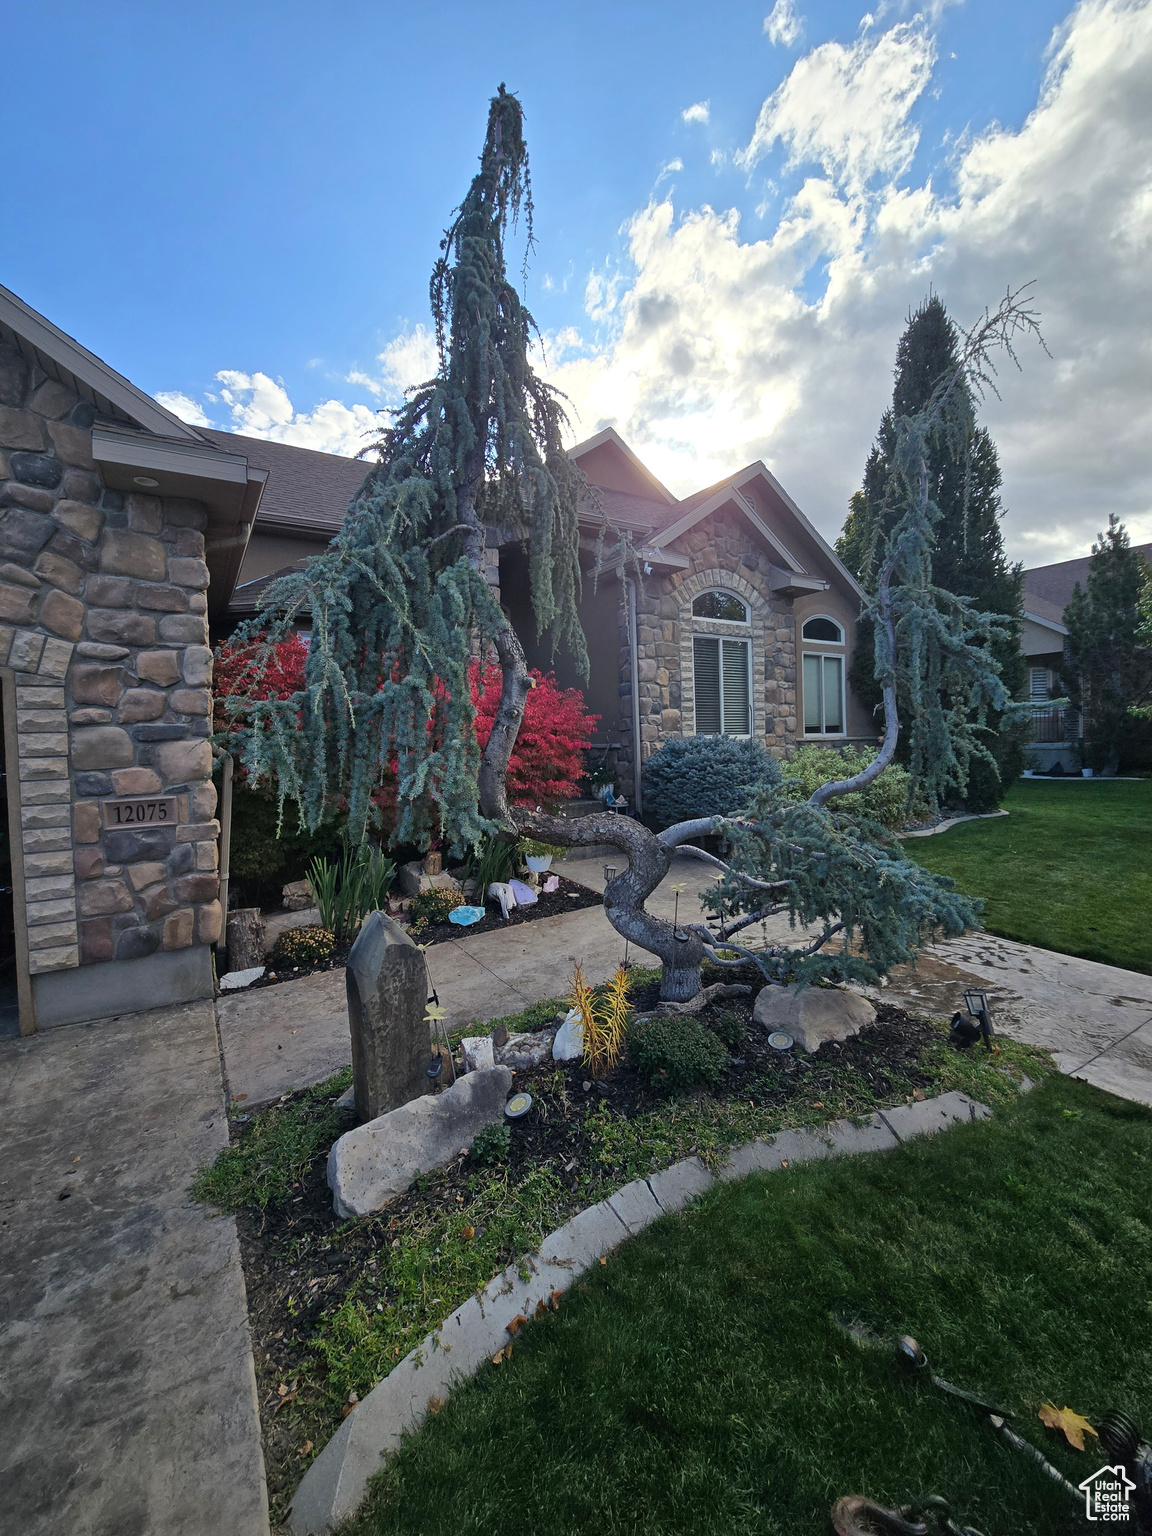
(1055, 584)
(636, 513)
(307, 490)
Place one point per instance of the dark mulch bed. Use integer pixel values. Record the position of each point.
(571, 897)
(300, 1261)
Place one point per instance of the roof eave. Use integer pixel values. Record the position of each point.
(227, 486)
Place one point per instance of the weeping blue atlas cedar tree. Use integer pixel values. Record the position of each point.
(400, 605)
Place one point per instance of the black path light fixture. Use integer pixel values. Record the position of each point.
(976, 1002)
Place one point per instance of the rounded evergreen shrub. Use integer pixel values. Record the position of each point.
(695, 776)
(885, 800)
(676, 1053)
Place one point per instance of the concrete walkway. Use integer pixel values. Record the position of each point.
(277, 1039)
(127, 1391)
(1096, 1019)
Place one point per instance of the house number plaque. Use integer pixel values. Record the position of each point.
(145, 811)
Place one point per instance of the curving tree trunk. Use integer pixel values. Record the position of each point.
(649, 856)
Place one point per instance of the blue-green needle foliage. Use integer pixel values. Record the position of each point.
(842, 876)
(939, 650)
(399, 602)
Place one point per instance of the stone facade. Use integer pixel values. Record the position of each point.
(104, 632)
(723, 557)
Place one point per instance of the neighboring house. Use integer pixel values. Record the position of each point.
(1048, 590)
(125, 533)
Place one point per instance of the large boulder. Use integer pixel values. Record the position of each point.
(376, 1162)
(812, 1015)
(413, 880)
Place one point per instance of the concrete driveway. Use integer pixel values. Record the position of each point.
(127, 1391)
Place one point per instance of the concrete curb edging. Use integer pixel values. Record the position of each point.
(954, 821)
(335, 1484)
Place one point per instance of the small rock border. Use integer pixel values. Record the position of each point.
(483, 1327)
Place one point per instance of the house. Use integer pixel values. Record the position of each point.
(1048, 590)
(130, 541)
(743, 620)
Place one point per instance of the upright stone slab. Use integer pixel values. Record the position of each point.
(387, 984)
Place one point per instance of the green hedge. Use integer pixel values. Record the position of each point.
(885, 800)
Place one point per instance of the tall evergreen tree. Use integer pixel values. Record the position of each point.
(968, 556)
(1107, 660)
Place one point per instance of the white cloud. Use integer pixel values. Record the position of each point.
(713, 351)
(183, 406)
(847, 107)
(697, 113)
(782, 24)
(260, 407)
(408, 359)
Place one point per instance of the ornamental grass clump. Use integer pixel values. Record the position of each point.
(348, 888)
(604, 1019)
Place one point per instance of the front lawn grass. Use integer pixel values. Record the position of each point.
(1069, 868)
(701, 1383)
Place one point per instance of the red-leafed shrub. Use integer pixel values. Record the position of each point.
(548, 760)
(254, 671)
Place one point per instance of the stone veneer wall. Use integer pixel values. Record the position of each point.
(103, 623)
(723, 556)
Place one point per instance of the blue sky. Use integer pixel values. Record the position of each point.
(259, 190)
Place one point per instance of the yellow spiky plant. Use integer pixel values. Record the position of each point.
(604, 1021)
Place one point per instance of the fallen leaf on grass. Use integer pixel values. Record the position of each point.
(435, 1404)
(516, 1324)
(1073, 1425)
(541, 1308)
(467, 1233)
(305, 1448)
(603, 1260)
(502, 1354)
(555, 1300)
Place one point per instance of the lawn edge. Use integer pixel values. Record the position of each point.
(336, 1483)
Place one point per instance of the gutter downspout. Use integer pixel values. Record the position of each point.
(225, 845)
(634, 665)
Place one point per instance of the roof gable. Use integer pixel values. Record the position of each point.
(60, 357)
(610, 464)
(763, 502)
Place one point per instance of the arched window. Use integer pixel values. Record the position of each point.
(823, 628)
(720, 605)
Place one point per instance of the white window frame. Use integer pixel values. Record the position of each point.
(822, 734)
(740, 639)
(831, 620)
